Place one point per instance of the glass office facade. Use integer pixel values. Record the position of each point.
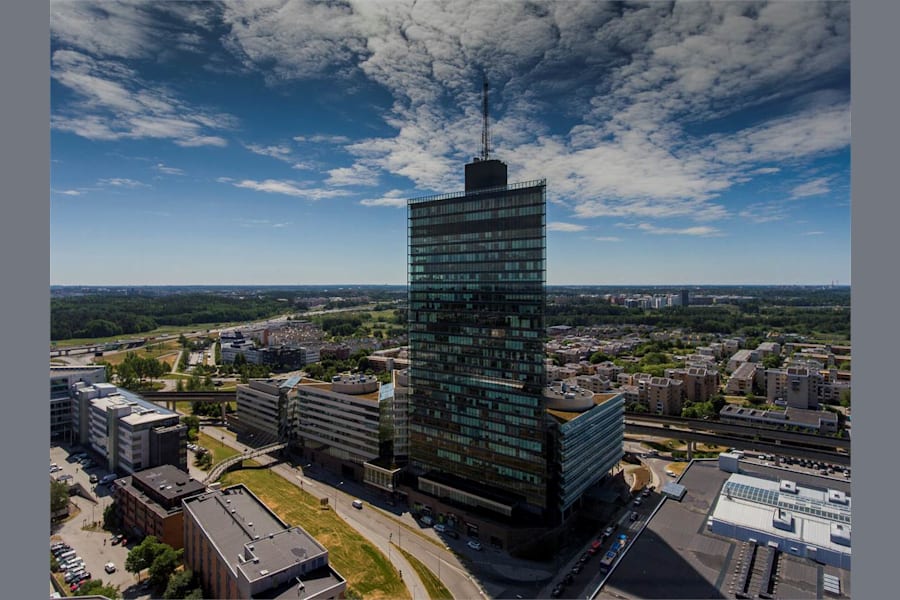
(476, 322)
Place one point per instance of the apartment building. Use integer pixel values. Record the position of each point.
(664, 395)
(742, 356)
(795, 386)
(241, 549)
(700, 384)
(742, 380)
(149, 502)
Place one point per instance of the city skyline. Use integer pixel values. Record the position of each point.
(224, 143)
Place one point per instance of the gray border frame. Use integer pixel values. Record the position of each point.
(24, 246)
(25, 251)
(873, 27)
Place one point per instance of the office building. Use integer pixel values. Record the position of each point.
(588, 434)
(149, 503)
(796, 519)
(476, 321)
(241, 549)
(262, 407)
(62, 381)
(130, 433)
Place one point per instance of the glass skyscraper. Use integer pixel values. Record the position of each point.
(476, 322)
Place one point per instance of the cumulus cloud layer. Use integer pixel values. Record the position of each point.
(620, 106)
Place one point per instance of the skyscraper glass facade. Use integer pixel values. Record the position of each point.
(476, 321)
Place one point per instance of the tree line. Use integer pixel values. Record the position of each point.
(106, 315)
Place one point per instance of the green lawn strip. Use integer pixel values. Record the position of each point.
(368, 572)
(436, 590)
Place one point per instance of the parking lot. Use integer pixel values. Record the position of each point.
(93, 545)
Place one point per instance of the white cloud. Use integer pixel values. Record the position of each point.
(122, 182)
(288, 188)
(764, 212)
(393, 198)
(322, 139)
(608, 238)
(701, 231)
(70, 193)
(357, 174)
(111, 102)
(765, 171)
(816, 187)
(168, 170)
(814, 233)
(277, 152)
(559, 226)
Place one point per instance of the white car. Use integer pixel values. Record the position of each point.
(439, 527)
(109, 567)
(474, 544)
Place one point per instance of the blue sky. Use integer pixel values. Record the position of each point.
(277, 142)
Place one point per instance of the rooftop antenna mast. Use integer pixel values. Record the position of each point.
(485, 126)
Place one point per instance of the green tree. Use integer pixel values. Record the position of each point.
(96, 587)
(59, 496)
(111, 517)
(179, 385)
(164, 564)
(845, 398)
(599, 357)
(141, 556)
(180, 584)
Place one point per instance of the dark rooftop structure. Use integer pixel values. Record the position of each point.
(675, 555)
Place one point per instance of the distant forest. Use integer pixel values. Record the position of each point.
(103, 315)
(751, 319)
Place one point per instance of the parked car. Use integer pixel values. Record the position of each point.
(93, 478)
(634, 516)
(116, 539)
(451, 533)
(637, 502)
(474, 544)
(358, 504)
(440, 527)
(576, 569)
(609, 531)
(109, 567)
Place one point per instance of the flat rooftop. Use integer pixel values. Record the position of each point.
(238, 523)
(564, 416)
(675, 556)
(169, 482)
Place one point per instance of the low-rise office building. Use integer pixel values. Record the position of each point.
(343, 423)
(798, 520)
(821, 422)
(129, 432)
(62, 391)
(262, 406)
(149, 502)
(241, 549)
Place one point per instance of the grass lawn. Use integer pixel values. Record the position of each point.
(163, 351)
(368, 572)
(220, 451)
(436, 590)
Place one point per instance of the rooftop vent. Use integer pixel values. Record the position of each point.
(264, 572)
